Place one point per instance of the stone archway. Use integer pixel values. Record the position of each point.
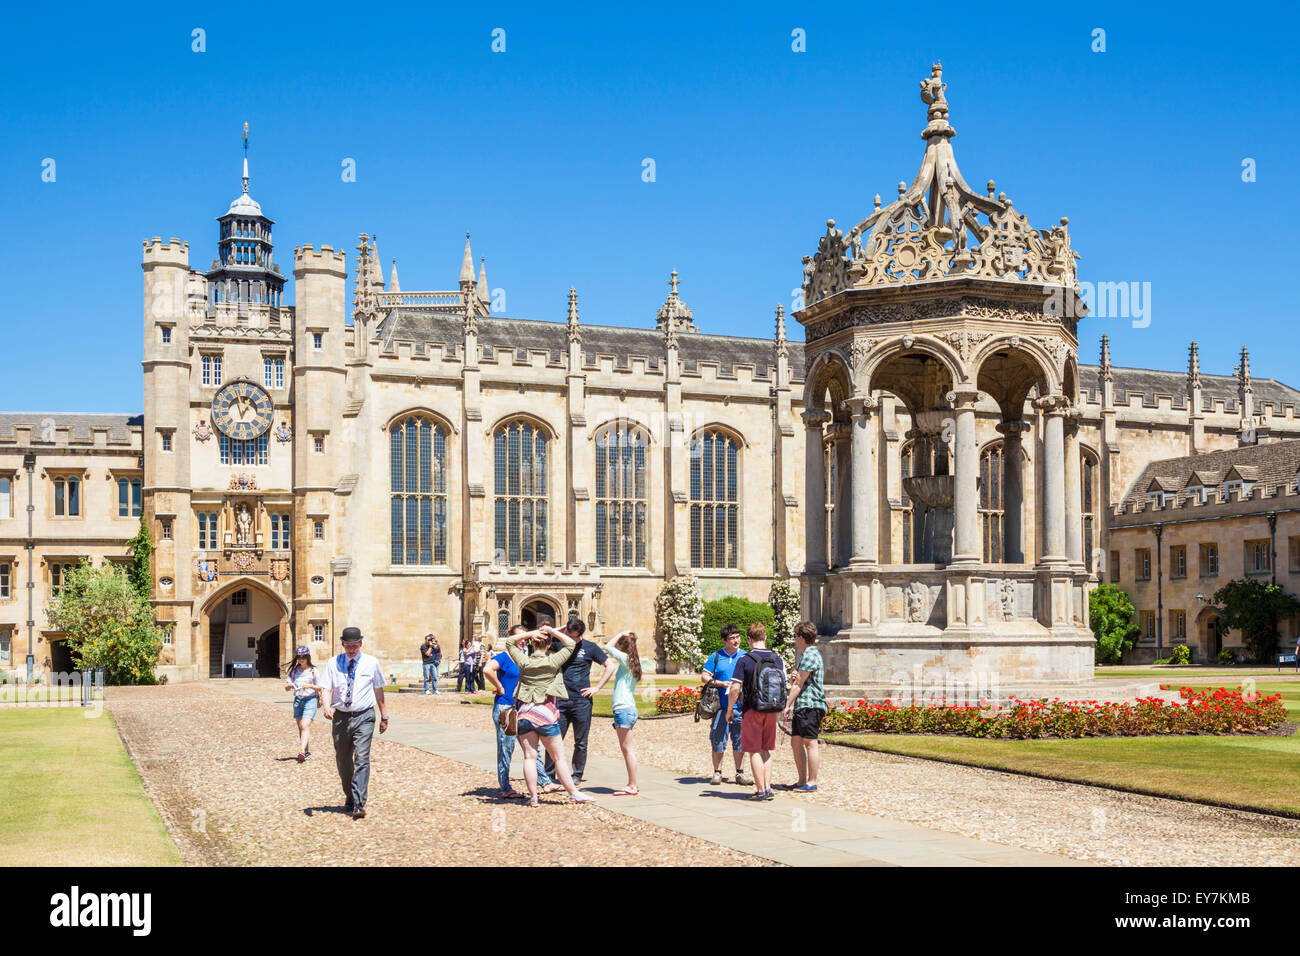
(531, 612)
(245, 621)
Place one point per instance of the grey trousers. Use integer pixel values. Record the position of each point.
(352, 732)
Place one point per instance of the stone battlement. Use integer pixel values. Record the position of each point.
(308, 259)
(1217, 504)
(172, 252)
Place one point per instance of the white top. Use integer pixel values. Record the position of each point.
(365, 678)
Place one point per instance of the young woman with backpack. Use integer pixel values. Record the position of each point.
(305, 684)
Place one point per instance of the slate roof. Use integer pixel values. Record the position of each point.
(80, 424)
(1271, 464)
(1152, 382)
(496, 332)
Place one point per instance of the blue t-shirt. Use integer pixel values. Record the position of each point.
(722, 667)
(508, 675)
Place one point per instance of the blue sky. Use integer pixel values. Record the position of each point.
(538, 152)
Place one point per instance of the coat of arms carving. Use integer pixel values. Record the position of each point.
(202, 431)
(206, 571)
(284, 433)
(280, 569)
(243, 483)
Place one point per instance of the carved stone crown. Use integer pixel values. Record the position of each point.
(939, 228)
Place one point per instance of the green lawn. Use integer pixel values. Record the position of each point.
(1185, 673)
(72, 797)
(1245, 771)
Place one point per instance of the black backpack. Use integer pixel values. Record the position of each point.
(768, 683)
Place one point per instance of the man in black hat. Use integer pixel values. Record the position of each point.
(355, 684)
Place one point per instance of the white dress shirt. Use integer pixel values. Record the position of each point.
(365, 678)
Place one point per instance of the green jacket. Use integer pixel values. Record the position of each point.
(541, 675)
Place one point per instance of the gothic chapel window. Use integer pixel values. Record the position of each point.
(418, 491)
(520, 454)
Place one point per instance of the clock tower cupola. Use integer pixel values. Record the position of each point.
(244, 281)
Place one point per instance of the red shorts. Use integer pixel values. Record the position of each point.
(757, 732)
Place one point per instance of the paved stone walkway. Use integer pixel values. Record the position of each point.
(798, 834)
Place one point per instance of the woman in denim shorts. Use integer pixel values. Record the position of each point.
(304, 683)
(623, 702)
(541, 682)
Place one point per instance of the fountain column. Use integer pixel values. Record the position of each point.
(815, 491)
(966, 537)
(1013, 492)
(1073, 489)
(863, 482)
(1052, 408)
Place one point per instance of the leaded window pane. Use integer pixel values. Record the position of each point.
(601, 531)
(396, 529)
(621, 490)
(426, 530)
(395, 457)
(412, 530)
(520, 488)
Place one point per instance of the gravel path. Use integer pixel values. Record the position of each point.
(1086, 823)
(222, 773)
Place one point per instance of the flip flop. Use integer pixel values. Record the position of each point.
(627, 792)
(532, 803)
(581, 798)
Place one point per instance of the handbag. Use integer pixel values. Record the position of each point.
(710, 702)
(508, 720)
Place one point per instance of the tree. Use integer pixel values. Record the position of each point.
(1254, 608)
(679, 609)
(1110, 615)
(141, 572)
(108, 624)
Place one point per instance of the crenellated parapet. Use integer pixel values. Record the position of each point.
(173, 252)
(326, 260)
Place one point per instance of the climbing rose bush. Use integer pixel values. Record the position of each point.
(677, 700)
(783, 598)
(679, 614)
(1218, 711)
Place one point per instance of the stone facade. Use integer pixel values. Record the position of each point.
(1191, 524)
(47, 461)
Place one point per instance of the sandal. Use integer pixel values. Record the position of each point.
(627, 792)
(532, 802)
(581, 798)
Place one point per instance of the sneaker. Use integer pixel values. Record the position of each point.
(769, 795)
(307, 755)
(717, 778)
(806, 788)
(758, 796)
(743, 781)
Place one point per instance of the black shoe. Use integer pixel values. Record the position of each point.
(348, 808)
(358, 814)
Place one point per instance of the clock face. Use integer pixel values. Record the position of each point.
(242, 410)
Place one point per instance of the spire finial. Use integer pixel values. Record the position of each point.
(575, 330)
(245, 158)
(482, 290)
(782, 350)
(1106, 374)
(673, 282)
(467, 264)
(1194, 366)
(1243, 371)
(932, 94)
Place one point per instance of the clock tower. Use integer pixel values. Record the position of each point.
(220, 448)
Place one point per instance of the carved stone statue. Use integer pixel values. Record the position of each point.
(243, 525)
(916, 594)
(1007, 595)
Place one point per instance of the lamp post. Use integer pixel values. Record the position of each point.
(29, 466)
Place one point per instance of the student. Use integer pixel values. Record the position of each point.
(807, 702)
(304, 682)
(430, 658)
(760, 677)
(726, 722)
(503, 674)
(466, 674)
(541, 684)
(622, 650)
(575, 711)
(355, 684)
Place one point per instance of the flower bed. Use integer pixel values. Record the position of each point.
(677, 700)
(1218, 711)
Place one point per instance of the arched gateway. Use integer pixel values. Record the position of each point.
(948, 302)
(244, 621)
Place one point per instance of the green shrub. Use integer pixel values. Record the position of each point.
(1110, 615)
(738, 611)
(1227, 657)
(108, 623)
(1254, 608)
(1182, 654)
